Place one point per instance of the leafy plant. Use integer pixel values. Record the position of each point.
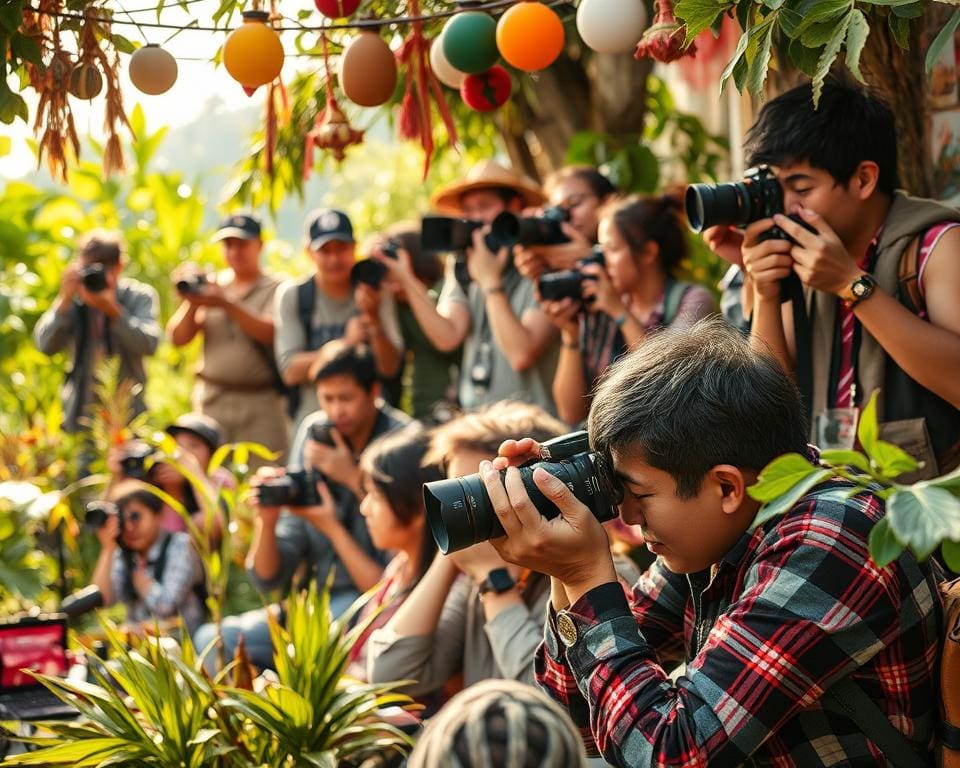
(919, 516)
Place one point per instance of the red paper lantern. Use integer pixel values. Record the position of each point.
(487, 90)
(530, 36)
(337, 9)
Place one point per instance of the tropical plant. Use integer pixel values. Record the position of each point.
(919, 516)
(154, 705)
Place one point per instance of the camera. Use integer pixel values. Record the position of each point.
(94, 277)
(294, 489)
(568, 283)
(133, 462)
(82, 601)
(96, 514)
(321, 433)
(370, 271)
(460, 514)
(509, 229)
(192, 284)
(442, 234)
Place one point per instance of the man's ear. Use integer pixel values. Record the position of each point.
(865, 178)
(732, 486)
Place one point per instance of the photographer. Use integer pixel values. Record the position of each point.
(768, 620)
(580, 191)
(100, 314)
(154, 573)
(623, 300)
(236, 380)
(317, 523)
(325, 307)
(880, 271)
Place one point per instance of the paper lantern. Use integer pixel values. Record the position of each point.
(368, 70)
(337, 9)
(611, 26)
(86, 82)
(530, 36)
(470, 42)
(253, 53)
(153, 70)
(443, 69)
(488, 90)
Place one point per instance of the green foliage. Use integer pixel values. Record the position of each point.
(919, 517)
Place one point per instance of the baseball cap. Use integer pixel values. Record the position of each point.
(204, 427)
(326, 224)
(243, 226)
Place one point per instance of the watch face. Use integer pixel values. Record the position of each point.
(859, 288)
(500, 580)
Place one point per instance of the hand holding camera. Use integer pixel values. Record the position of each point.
(107, 521)
(563, 314)
(97, 289)
(820, 259)
(484, 266)
(328, 452)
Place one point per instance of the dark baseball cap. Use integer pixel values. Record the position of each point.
(243, 226)
(201, 425)
(326, 224)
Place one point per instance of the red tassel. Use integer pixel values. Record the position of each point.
(408, 120)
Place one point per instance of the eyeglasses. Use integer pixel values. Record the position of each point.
(132, 517)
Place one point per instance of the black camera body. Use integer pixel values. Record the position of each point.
(370, 271)
(193, 284)
(508, 229)
(94, 277)
(568, 283)
(294, 489)
(442, 234)
(460, 514)
(96, 514)
(133, 462)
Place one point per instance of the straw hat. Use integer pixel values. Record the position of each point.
(486, 175)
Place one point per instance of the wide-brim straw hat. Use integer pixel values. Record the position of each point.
(486, 175)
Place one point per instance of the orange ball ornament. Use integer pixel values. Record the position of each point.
(530, 36)
(253, 53)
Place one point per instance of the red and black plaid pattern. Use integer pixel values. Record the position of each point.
(795, 606)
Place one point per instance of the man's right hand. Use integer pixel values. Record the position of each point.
(70, 283)
(726, 242)
(268, 515)
(766, 262)
(108, 533)
(563, 314)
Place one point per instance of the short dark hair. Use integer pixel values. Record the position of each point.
(686, 401)
(599, 184)
(135, 491)
(851, 124)
(102, 246)
(639, 219)
(339, 358)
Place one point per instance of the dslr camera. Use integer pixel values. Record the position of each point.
(370, 271)
(96, 514)
(568, 283)
(442, 234)
(509, 229)
(94, 277)
(460, 514)
(298, 488)
(192, 284)
(133, 462)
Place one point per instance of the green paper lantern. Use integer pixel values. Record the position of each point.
(470, 42)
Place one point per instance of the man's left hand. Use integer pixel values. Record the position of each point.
(322, 516)
(106, 300)
(335, 462)
(484, 266)
(209, 295)
(820, 259)
(572, 547)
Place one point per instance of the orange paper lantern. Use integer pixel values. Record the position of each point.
(530, 36)
(253, 53)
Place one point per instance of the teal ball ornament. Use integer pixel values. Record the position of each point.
(470, 42)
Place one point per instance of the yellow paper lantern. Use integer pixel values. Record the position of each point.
(153, 70)
(253, 53)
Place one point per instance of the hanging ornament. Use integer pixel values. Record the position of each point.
(664, 40)
(152, 70)
(253, 53)
(470, 42)
(443, 69)
(368, 70)
(488, 90)
(611, 26)
(337, 9)
(530, 36)
(86, 82)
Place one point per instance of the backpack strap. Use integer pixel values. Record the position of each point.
(908, 280)
(672, 298)
(847, 698)
(306, 301)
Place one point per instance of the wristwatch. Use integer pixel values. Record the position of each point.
(859, 289)
(498, 581)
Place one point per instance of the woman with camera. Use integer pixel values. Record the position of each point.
(632, 294)
(157, 574)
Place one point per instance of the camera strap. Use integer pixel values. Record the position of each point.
(803, 337)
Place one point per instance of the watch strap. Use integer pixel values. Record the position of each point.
(497, 581)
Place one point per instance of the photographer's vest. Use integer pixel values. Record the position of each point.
(912, 417)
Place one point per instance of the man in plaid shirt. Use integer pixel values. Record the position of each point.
(766, 620)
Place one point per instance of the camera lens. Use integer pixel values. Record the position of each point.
(460, 514)
(560, 285)
(94, 278)
(709, 205)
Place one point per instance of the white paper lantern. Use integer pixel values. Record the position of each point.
(442, 68)
(611, 26)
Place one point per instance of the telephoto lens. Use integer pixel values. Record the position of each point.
(565, 284)
(460, 514)
(509, 229)
(736, 203)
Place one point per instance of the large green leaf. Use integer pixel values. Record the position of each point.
(830, 52)
(760, 61)
(884, 545)
(945, 34)
(841, 458)
(951, 555)
(699, 15)
(857, 32)
(735, 59)
(868, 428)
(780, 475)
(784, 502)
(924, 515)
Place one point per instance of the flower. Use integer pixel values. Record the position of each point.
(664, 39)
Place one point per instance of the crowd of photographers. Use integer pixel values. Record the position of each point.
(514, 312)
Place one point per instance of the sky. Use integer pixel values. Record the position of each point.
(197, 81)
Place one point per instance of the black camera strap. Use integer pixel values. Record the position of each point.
(803, 338)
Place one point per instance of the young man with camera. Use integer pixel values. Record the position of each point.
(99, 314)
(326, 306)
(768, 619)
(309, 515)
(879, 270)
(157, 574)
(237, 379)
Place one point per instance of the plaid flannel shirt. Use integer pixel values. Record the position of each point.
(795, 605)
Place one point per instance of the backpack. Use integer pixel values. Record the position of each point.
(848, 698)
(306, 300)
